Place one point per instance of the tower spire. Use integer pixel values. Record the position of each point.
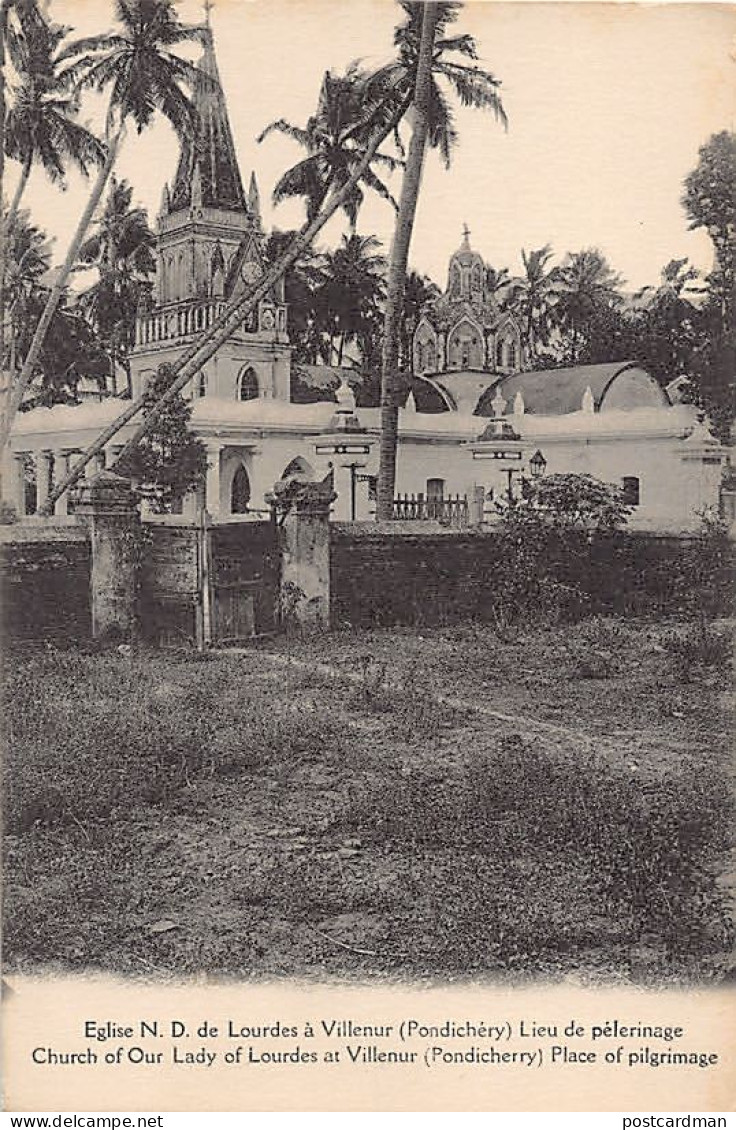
(210, 154)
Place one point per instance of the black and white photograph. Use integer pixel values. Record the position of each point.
(368, 498)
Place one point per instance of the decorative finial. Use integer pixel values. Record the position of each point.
(588, 402)
(208, 6)
(466, 236)
(498, 404)
(519, 406)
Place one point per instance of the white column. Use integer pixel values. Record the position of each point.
(18, 484)
(43, 478)
(212, 498)
(61, 470)
(341, 507)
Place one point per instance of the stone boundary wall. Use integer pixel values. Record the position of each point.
(45, 581)
(419, 573)
(408, 573)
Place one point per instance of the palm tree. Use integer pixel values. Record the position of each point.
(352, 290)
(379, 118)
(419, 290)
(144, 76)
(533, 296)
(121, 250)
(40, 125)
(332, 143)
(303, 282)
(423, 66)
(497, 281)
(586, 285)
(28, 259)
(71, 348)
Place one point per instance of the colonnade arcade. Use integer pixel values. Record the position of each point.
(34, 474)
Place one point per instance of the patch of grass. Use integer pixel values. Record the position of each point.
(104, 733)
(647, 851)
(290, 822)
(700, 646)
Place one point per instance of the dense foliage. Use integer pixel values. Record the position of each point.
(169, 462)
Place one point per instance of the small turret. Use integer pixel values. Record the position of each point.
(254, 202)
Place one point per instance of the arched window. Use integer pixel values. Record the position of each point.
(430, 358)
(500, 350)
(477, 283)
(420, 357)
(248, 385)
(512, 355)
(455, 280)
(240, 491)
(202, 385)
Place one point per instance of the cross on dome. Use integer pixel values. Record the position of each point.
(208, 6)
(466, 236)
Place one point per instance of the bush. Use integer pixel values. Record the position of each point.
(8, 514)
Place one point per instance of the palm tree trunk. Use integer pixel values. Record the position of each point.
(397, 269)
(20, 386)
(199, 353)
(15, 203)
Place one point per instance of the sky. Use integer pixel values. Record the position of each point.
(608, 104)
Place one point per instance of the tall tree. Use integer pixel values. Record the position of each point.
(379, 119)
(418, 291)
(353, 289)
(426, 61)
(710, 202)
(71, 349)
(302, 283)
(331, 140)
(41, 126)
(143, 76)
(587, 286)
(533, 296)
(121, 250)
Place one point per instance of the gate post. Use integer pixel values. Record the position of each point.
(109, 503)
(305, 552)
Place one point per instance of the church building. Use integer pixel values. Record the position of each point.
(474, 423)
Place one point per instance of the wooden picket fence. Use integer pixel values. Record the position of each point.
(447, 511)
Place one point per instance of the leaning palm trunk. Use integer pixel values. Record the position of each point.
(197, 355)
(18, 391)
(397, 270)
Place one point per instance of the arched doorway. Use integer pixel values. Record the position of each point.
(240, 491)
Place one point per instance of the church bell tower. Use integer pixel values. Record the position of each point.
(209, 244)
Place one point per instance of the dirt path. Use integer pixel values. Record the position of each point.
(525, 726)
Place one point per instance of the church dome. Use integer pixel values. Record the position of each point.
(466, 271)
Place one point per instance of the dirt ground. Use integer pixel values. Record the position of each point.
(325, 827)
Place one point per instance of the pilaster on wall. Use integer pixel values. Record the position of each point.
(109, 504)
(305, 550)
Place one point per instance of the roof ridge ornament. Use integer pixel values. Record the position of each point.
(587, 404)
